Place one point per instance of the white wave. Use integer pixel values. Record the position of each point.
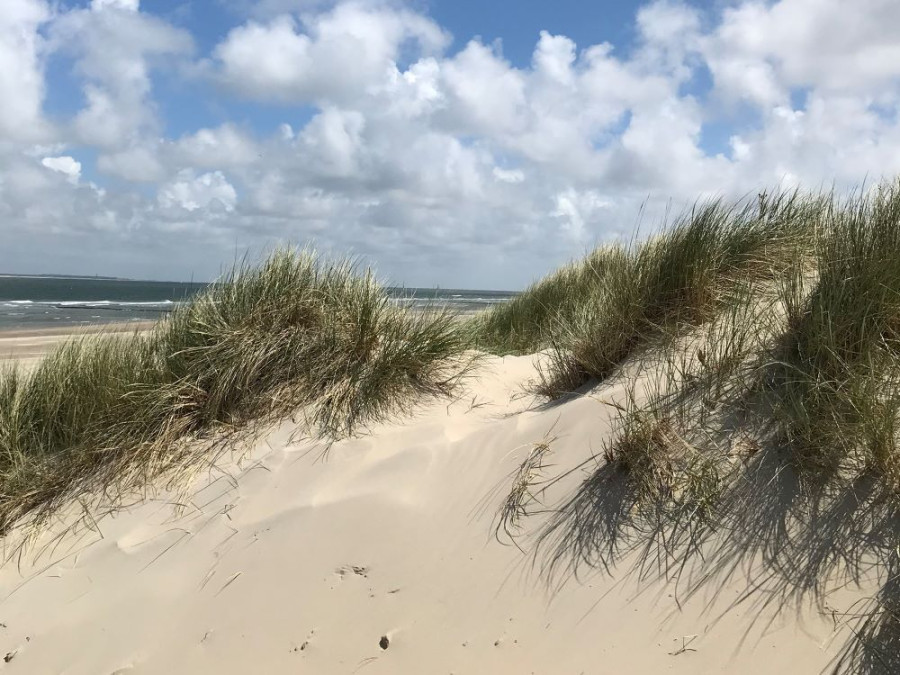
(112, 304)
(73, 305)
(82, 303)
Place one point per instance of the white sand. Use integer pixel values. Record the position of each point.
(29, 346)
(303, 562)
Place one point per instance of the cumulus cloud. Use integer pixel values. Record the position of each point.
(138, 163)
(824, 44)
(223, 146)
(191, 192)
(65, 165)
(333, 140)
(334, 55)
(21, 74)
(508, 175)
(115, 47)
(443, 162)
(127, 5)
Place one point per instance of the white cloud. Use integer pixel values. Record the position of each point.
(224, 146)
(765, 49)
(114, 53)
(139, 163)
(191, 192)
(576, 210)
(65, 165)
(105, 121)
(333, 141)
(330, 56)
(486, 94)
(127, 5)
(444, 165)
(285, 131)
(508, 175)
(21, 72)
(667, 23)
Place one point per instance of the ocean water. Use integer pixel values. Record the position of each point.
(46, 302)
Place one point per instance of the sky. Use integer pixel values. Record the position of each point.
(453, 143)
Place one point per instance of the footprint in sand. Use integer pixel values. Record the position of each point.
(306, 643)
(358, 570)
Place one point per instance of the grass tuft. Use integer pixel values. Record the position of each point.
(523, 496)
(760, 349)
(835, 380)
(529, 321)
(621, 300)
(297, 335)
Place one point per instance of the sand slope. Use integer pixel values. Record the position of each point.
(301, 563)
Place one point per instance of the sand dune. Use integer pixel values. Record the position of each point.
(300, 560)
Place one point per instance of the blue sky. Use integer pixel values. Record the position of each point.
(518, 24)
(455, 143)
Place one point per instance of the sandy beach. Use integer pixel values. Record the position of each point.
(379, 554)
(29, 346)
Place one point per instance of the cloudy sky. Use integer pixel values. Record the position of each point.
(458, 143)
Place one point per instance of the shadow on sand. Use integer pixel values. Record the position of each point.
(787, 543)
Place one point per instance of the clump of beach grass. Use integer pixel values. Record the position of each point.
(524, 494)
(674, 475)
(770, 339)
(298, 335)
(595, 315)
(835, 379)
(677, 281)
(294, 334)
(528, 322)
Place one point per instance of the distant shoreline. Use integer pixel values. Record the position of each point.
(62, 276)
(399, 290)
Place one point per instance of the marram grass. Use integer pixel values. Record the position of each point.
(761, 427)
(835, 379)
(297, 335)
(596, 314)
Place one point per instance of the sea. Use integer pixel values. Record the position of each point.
(38, 302)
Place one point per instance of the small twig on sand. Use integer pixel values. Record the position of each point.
(685, 641)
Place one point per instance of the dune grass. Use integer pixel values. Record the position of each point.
(296, 336)
(596, 314)
(529, 321)
(835, 382)
(761, 422)
(524, 498)
(800, 351)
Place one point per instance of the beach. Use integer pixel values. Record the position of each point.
(27, 346)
